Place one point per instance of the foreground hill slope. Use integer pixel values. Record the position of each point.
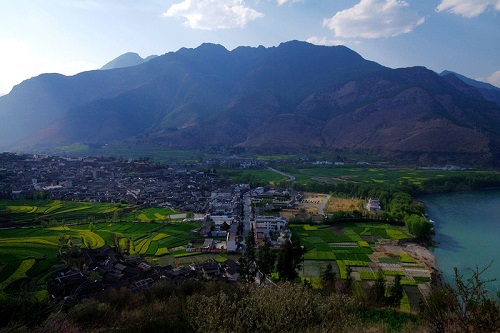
(293, 96)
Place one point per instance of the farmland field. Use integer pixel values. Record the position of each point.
(55, 212)
(31, 253)
(258, 175)
(367, 175)
(364, 247)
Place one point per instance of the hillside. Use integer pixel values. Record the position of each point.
(295, 96)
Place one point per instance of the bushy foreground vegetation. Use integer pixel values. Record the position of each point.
(221, 307)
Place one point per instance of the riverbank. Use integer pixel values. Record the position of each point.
(421, 252)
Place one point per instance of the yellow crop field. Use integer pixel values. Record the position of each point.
(396, 234)
(142, 246)
(31, 240)
(159, 236)
(22, 209)
(362, 243)
(162, 251)
(308, 227)
(91, 239)
(143, 218)
(60, 228)
(54, 206)
(73, 209)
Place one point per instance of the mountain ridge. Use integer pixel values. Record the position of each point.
(295, 95)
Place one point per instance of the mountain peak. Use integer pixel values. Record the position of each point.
(126, 60)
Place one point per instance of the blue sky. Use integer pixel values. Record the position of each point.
(71, 36)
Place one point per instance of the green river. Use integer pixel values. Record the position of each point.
(467, 226)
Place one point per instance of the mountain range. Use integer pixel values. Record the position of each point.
(295, 96)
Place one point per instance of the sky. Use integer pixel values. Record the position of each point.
(72, 36)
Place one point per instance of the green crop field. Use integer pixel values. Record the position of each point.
(32, 211)
(306, 174)
(353, 245)
(264, 176)
(367, 174)
(31, 253)
(56, 212)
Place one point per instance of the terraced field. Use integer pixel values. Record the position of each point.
(32, 211)
(57, 212)
(30, 254)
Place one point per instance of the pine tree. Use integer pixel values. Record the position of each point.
(329, 278)
(290, 259)
(378, 288)
(266, 258)
(396, 292)
(247, 262)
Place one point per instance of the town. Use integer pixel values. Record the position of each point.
(229, 212)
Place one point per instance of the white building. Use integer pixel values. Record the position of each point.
(271, 223)
(373, 205)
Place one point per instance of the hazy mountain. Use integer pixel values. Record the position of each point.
(293, 96)
(127, 60)
(489, 91)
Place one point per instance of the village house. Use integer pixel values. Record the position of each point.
(373, 205)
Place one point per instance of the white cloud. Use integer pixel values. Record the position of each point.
(19, 62)
(213, 14)
(468, 8)
(494, 79)
(374, 19)
(282, 2)
(324, 41)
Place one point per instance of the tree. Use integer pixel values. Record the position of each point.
(396, 292)
(247, 262)
(348, 282)
(290, 259)
(225, 226)
(189, 215)
(266, 258)
(464, 307)
(418, 225)
(329, 278)
(378, 289)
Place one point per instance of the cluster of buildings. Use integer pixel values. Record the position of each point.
(106, 180)
(237, 211)
(106, 269)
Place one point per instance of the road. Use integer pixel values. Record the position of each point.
(290, 177)
(247, 210)
(321, 209)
